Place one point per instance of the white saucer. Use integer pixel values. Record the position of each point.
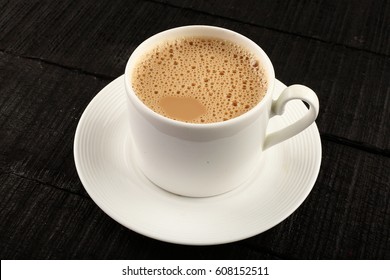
(105, 164)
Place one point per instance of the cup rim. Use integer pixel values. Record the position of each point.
(255, 48)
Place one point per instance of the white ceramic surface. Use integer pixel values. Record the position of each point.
(200, 160)
(105, 162)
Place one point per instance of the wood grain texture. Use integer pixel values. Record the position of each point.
(42, 222)
(40, 106)
(345, 79)
(358, 24)
(55, 57)
(346, 216)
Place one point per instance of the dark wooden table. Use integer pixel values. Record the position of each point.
(55, 56)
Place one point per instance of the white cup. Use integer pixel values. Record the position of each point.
(200, 160)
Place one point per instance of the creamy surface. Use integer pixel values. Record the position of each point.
(199, 80)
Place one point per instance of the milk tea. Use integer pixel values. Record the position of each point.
(199, 80)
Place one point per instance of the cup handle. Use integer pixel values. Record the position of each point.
(292, 92)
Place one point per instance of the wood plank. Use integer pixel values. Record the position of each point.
(40, 106)
(78, 34)
(346, 216)
(358, 24)
(346, 80)
(42, 222)
(352, 86)
(49, 75)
